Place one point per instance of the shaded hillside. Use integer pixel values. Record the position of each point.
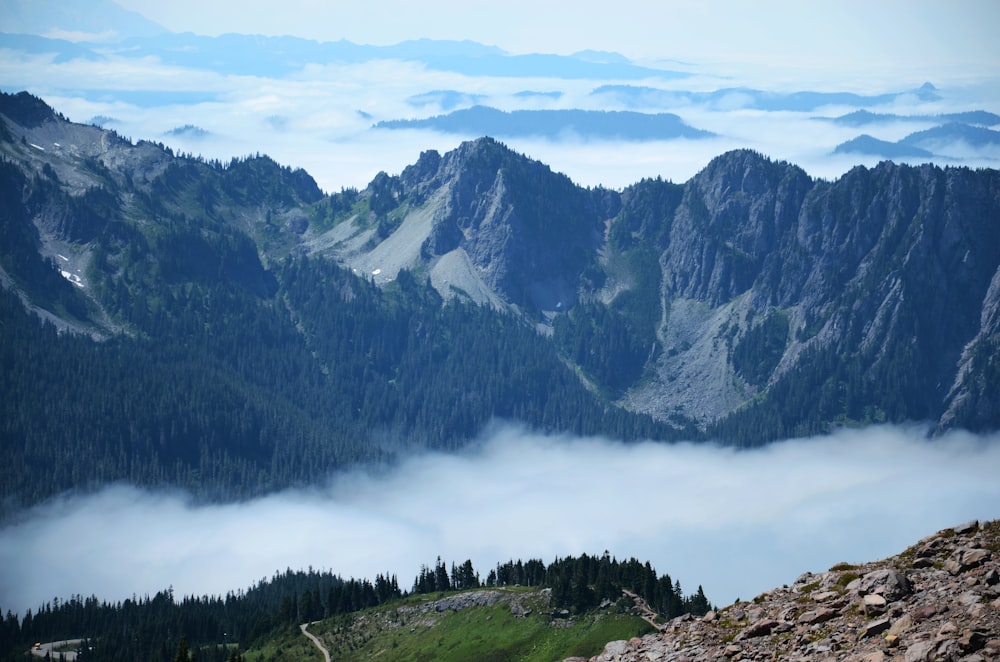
(227, 361)
(752, 298)
(256, 330)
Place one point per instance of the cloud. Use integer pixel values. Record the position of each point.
(327, 111)
(735, 522)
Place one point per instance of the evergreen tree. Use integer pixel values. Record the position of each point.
(182, 651)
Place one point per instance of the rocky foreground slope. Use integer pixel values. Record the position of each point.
(938, 600)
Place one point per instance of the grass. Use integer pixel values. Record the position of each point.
(403, 632)
(285, 646)
(846, 578)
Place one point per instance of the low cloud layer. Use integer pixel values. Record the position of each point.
(320, 117)
(735, 522)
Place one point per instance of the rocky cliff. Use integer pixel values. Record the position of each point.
(886, 274)
(937, 600)
(752, 302)
(741, 290)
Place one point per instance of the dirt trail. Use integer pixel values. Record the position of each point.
(648, 614)
(319, 645)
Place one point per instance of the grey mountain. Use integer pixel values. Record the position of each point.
(100, 19)
(555, 124)
(872, 146)
(754, 292)
(859, 118)
(945, 140)
(633, 96)
(751, 299)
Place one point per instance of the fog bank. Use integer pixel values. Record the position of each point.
(735, 522)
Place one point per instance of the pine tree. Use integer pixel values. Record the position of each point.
(182, 651)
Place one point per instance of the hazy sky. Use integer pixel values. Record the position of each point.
(320, 117)
(873, 38)
(738, 523)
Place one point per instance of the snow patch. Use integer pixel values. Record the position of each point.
(73, 278)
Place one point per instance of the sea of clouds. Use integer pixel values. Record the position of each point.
(735, 522)
(321, 117)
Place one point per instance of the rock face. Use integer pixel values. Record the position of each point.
(751, 302)
(938, 600)
(877, 291)
(891, 270)
(526, 232)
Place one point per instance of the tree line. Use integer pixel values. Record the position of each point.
(164, 627)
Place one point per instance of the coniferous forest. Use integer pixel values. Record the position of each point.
(217, 628)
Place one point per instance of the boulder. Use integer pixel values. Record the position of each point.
(815, 616)
(759, 628)
(966, 559)
(887, 582)
(874, 628)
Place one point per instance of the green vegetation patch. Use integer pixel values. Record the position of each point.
(288, 644)
(758, 353)
(502, 631)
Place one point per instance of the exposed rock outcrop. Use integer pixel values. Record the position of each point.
(764, 304)
(938, 600)
(528, 231)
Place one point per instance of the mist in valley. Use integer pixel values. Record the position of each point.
(735, 522)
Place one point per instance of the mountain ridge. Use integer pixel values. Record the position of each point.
(747, 304)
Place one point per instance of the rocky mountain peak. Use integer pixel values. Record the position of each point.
(733, 215)
(937, 600)
(527, 232)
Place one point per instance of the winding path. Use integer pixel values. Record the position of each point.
(648, 614)
(319, 645)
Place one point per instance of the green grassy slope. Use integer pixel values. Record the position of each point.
(484, 624)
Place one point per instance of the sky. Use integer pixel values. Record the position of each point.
(862, 36)
(735, 522)
(320, 117)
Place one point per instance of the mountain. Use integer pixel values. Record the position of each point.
(731, 98)
(555, 124)
(168, 318)
(940, 138)
(258, 55)
(93, 20)
(749, 298)
(936, 600)
(860, 118)
(954, 137)
(866, 144)
(188, 322)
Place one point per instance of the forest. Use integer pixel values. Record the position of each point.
(162, 627)
(229, 394)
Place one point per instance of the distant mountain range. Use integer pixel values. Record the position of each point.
(65, 48)
(860, 118)
(167, 318)
(256, 55)
(631, 96)
(936, 141)
(555, 124)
